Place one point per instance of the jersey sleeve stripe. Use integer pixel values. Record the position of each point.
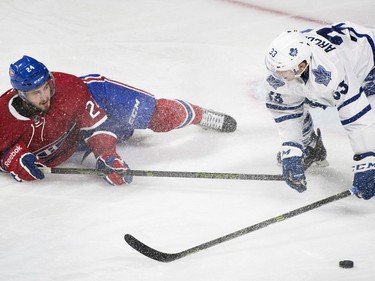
(190, 115)
(369, 39)
(351, 100)
(357, 116)
(97, 124)
(288, 117)
(99, 133)
(282, 108)
(97, 78)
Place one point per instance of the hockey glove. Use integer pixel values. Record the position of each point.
(22, 164)
(364, 177)
(292, 164)
(114, 167)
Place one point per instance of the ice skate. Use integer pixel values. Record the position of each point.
(316, 155)
(217, 121)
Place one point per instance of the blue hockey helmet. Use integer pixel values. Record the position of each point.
(28, 74)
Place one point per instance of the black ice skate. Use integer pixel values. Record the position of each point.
(315, 156)
(217, 121)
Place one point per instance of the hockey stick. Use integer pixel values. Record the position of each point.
(170, 174)
(168, 257)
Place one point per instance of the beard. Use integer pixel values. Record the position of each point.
(44, 106)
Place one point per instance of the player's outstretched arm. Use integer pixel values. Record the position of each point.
(21, 164)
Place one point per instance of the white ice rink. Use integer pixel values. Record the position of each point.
(208, 52)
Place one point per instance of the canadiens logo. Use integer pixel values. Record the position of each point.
(54, 146)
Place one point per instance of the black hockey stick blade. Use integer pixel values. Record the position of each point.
(150, 252)
(168, 257)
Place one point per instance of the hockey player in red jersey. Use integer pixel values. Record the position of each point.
(47, 115)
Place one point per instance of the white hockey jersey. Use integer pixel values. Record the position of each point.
(343, 55)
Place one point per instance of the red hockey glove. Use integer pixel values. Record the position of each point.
(22, 164)
(114, 167)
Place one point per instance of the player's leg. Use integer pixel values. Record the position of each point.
(130, 108)
(174, 114)
(314, 152)
(127, 108)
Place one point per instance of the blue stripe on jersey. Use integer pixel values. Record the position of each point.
(315, 104)
(369, 39)
(98, 78)
(361, 156)
(90, 75)
(357, 116)
(307, 124)
(190, 114)
(288, 117)
(307, 130)
(352, 99)
(281, 107)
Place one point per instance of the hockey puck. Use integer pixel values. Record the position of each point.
(346, 264)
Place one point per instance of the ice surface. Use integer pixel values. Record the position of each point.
(208, 52)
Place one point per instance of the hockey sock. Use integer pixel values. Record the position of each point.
(308, 131)
(174, 114)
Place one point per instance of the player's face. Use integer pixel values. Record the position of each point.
(41, 97)
(289, 74)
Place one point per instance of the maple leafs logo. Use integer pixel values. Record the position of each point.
(274, 82)
(293, 52)
(322, 76)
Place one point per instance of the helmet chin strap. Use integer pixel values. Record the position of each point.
(298, 75)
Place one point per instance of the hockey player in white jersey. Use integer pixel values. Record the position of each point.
(332, 66)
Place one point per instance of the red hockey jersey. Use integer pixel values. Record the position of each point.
(53, 136)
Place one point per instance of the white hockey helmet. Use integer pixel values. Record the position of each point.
(287, 51)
